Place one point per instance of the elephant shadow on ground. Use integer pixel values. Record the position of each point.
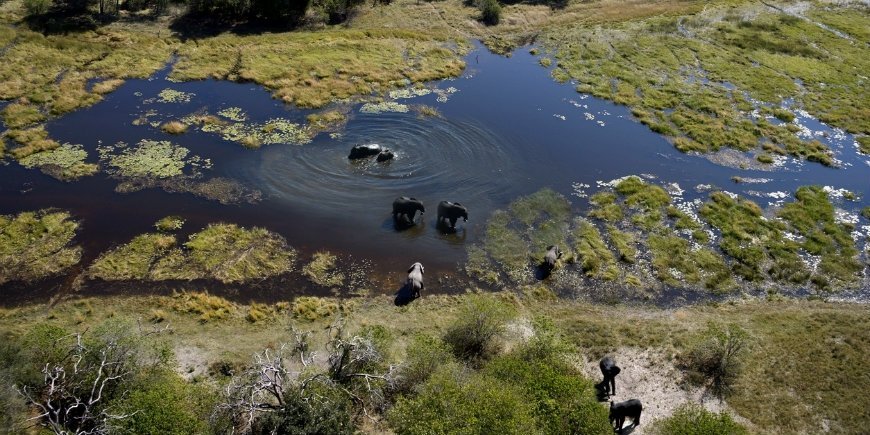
(542, 271)
(600, 394)
(405, 295)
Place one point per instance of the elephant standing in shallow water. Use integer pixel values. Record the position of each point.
(451, 211)
(407, 207)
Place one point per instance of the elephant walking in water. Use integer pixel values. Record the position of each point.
(407, 207)
(451, 211)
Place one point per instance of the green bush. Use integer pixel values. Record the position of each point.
(695, 420)
(423, 357)
(453, 401)
(161, 403)
(564, 402)
(320, 409)
(37, 7)
(716, 361)
(473, 337)
(490, 12)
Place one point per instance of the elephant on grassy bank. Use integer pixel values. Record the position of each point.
(414, 282)
(408, 208)
(451, 211)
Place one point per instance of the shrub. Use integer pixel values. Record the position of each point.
(320, 409)
(423, 357)
(564, 402)
(716, 361)
(695, 420)
(490, 12)
(37, 7)
(453, 401)
(161, 403)
(473, 336)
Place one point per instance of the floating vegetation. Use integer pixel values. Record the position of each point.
(66, 162)
(172, 96)
(636, 234)
(322, 270)
(36, 245)
(330, 119)
(428, 111)
(220, 189)
(384, 107)
(409, 93)
(169, 223)
(224, 252)
(253, 135)
(234, 114)
(149, 159)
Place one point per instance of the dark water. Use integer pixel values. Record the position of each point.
(508, 131)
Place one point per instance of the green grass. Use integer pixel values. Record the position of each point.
(36, 245)
(806, 356)
(322, 270)
(222, 252)
(595, 258)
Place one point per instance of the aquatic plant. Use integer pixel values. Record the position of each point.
(36, 245)
(224, 252)
(148, 159)
(66, 162)
(409, 93)
(428, 111)
(326, 120)
(253, 135)
(322, 270)
(234, 114)
(169, 223)
(383, 107)
(595, 258)
(173, 96)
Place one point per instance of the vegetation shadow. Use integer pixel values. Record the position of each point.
(626, 430)
(199, 25)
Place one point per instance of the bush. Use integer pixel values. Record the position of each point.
(453, 401)
(161, 403)
(564, 402)
(37, 7)
(473, 336)
(321, 409)
(695, 420)
(716, 361)
(425, 354)
(490, 12)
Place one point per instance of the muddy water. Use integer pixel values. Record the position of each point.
(507, 131)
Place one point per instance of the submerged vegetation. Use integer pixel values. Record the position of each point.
(36, 245)
(223, 252)
(636, 233)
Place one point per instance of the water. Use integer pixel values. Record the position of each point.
(508, 131)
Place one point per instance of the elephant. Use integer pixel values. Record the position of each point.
(550, 258)
(363, 151)
(408, 207)
(619, 411)
(385, 155)
(451, 211)
(609, 370)
(415, 279)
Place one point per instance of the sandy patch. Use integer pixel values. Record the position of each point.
(192, 362)
(649, 376)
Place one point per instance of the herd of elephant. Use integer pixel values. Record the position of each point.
(621, 410)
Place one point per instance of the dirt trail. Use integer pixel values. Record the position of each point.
(649, 376)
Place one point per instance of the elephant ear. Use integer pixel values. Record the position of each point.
(456, 203)
(411, 268)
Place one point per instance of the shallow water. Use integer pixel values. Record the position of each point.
(508, 131)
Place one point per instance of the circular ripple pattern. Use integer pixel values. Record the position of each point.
(435, 158)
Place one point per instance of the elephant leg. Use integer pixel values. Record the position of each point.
(453, 222)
